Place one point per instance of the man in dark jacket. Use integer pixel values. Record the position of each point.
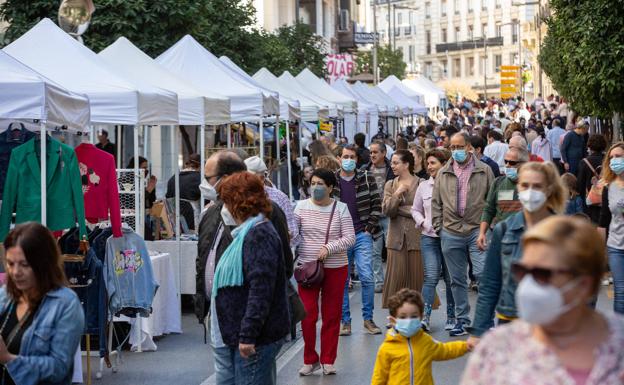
(573, 147)
(219, 165)
(379, 167)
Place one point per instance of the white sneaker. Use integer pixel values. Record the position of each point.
(328, 369)
(307, 370)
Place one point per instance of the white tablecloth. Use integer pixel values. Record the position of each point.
(166, 314)
(183, 262)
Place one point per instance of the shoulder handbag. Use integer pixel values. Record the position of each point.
(594, 194)
(311, 274)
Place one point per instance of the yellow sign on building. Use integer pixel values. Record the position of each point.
(509, 81)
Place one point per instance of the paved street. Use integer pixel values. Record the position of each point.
(185, 360)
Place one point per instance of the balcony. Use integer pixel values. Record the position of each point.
(469, 44)
(397, 31)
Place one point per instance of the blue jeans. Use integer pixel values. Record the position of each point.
(434, 264)
(456, 250)
(378, 246)
(616, 264)
(362, 255)
(259, 369)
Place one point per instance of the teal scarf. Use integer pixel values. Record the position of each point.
(229, 271)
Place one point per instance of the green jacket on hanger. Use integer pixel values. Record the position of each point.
(22, 191)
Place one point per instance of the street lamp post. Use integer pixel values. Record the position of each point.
(538, 25)
(375, 45)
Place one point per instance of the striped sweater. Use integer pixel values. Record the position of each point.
(367, 199)
(312, 221)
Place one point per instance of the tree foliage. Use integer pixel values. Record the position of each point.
(583, 54)
(389, 61)
(224, 27)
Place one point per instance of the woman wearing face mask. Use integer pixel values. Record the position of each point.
(558, 339)
(542, 195)
(404, 266)
(612, 218)
(433, 260)
(327, 233)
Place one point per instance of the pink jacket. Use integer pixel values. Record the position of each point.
(99, 186)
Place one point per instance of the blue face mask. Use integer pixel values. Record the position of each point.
(319, 193)
(617, 165)
(512, 173)
(459, 155)
(348, 165)
(407, 327)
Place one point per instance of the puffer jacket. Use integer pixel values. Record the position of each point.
(444, 199)
(407, 361)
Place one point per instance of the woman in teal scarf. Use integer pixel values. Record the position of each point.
(250, 315)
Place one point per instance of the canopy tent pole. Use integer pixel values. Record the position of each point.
(288, 162)
(44, 168)
(137, 212)
(277, 151)
(118, 139)
(261, 131)
(229, 135)
(91, 133)
(300, 133)
(202, 160)
(145, 141)
(176, 167)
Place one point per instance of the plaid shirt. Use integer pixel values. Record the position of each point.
(283, 202)
(463, 173)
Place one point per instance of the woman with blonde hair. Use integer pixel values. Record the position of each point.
(420, 166)
(328, 162)
(558, 339)
(542, 195)
(612, 217)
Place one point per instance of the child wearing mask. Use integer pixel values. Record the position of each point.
(408, 350)
(574, 204)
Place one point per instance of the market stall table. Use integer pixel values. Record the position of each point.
(183, 262)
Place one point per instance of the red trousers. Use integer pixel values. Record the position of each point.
(332, 292)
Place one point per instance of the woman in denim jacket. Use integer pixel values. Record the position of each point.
(542, 195)
(41, 320)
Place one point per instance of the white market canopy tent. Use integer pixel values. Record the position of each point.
(191, 61)
(364, 106)
(310, 110)
(288, 108)
(193, 107)
(404, 100)
(333, 110)
(113, 99)
(432, 96)
(385, 105)
(320, 88)
(29, 95)
(392, 81)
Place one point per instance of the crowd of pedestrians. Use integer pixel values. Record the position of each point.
(516, 202)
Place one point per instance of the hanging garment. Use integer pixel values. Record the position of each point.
(14, 136)
(22, 190)
(99, 186)
(128, 275)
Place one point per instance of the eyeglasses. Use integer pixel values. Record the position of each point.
(540, 274)
(512, 162)
(208, 177)
(453, 148)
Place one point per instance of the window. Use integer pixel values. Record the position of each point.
(428, 69)
(428, 41)
(443, 7)
(470, 66)
(470, 6)
(499, 30)
(482, 64)
(456, 7)
(457, 68)
(428, 10)
(444, 68)
(443, 37)
(483, 5)
(514, 31)
(470, 32)
(498, 4)
(411, 18)
(456, 34)
(411, 53)
(484, 29)
(513, 58)
(498, 61)
(400, 18)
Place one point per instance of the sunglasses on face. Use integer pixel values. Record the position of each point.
(541, 275)
(512, 162)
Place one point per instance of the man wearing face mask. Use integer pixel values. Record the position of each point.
(459, 196)
(217, 224)
(359, 191)
(502, 199)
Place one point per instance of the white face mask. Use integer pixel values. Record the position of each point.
(208, 190)
(542, 304)
(227, 217)
(532, 200)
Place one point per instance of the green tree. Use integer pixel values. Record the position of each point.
(389, 61)
(583, 54)
(307, 49)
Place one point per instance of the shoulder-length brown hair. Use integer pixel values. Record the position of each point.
(42, 254)
(607, 174)
(244, 195)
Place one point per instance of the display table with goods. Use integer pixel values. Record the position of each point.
(182, 259)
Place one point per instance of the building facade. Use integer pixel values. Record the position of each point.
(460, 40)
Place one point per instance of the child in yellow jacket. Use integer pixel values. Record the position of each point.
(405, 356)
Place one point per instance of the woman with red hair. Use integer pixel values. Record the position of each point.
(250, 316)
